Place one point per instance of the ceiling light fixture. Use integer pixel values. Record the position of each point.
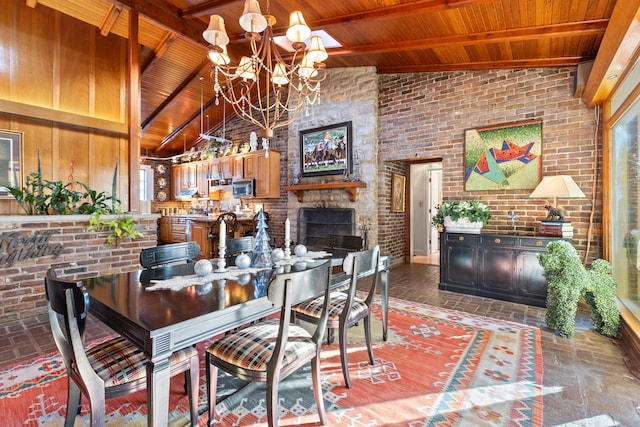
(266, 89)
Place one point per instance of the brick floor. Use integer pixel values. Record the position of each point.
(586, 380)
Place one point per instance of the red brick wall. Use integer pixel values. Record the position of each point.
(426, 114)
(22, 284)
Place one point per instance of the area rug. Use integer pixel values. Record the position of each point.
(439, 367)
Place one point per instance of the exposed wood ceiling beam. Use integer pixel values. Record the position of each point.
(31, 3)
(159, 51)
(194, 74)
(617, 48)
(516, 63)
(206, 8)
(179, 129)
(110, 19)
(531, 33)
(167, 17)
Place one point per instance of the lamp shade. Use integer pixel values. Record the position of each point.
(562, 186)
(316, 52)
(252, 20)
(279, 75)
(298, 30)
(216, 34)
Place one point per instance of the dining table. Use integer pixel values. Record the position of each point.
(161, 320)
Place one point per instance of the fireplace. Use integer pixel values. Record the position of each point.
(331, 229)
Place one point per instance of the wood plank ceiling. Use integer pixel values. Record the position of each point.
(395, 36)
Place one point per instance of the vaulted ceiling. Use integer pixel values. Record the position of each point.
(395, 36)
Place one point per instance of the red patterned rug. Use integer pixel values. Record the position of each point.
(439, 368)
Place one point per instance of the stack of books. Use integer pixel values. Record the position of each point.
(555, 228)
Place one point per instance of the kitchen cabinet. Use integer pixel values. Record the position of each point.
(200, 234)
(165, 229)
(238, 167)
(265, 169)
(497, 266)
(184, 177)
(173, 229)
(202, 177)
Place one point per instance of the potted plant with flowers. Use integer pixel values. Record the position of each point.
(462, 216)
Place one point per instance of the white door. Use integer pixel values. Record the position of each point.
(435, 198)
(426, 193)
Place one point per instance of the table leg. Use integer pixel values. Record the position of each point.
(384, 296)
(158, 383)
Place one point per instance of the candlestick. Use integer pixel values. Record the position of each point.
(223, 234)
(220, 261)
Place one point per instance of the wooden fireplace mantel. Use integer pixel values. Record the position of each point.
(348, 186)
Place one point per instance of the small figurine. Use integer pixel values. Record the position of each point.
(253, 141)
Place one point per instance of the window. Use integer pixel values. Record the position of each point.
(624, 187)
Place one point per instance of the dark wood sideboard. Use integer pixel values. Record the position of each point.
(500, 266)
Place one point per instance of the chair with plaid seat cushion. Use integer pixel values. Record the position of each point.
(272, 349)
(113, 368)
(345, 308)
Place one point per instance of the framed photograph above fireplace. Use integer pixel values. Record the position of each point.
(326, 150)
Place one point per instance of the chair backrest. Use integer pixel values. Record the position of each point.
(287, 289)
(237, 246)
(360, 265)
(70, 300)
(255, 219)
(230, 220)
(167, 254)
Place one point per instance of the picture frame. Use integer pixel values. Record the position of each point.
(11, 173)
(503, 157)
(326, 150)
(397, 192)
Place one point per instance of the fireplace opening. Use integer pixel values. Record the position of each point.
(331, 229)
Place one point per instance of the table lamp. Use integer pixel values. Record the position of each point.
(559, 186)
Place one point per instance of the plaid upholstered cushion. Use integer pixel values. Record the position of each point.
(251, 348)
(313, 307)
(118, 361)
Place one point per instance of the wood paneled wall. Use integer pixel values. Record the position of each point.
(64, 86)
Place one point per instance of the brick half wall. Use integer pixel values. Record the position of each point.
(22, 285)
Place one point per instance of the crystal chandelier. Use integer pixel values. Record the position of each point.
(266, 89)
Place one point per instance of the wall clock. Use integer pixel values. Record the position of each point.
(162, 196)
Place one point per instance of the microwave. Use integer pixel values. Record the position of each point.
(244, 188)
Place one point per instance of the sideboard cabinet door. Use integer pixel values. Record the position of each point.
(460, 254)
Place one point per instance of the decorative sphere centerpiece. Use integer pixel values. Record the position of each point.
(203, 267)
(277, 255)
(300, 250)
(243, 261)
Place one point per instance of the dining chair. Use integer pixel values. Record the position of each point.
(345, 308)
(254, 223)
(272, 349)
(237, 246)
(111, 369)
(230, 220)
(158, 256)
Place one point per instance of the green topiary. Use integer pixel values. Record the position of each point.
(568, 282)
